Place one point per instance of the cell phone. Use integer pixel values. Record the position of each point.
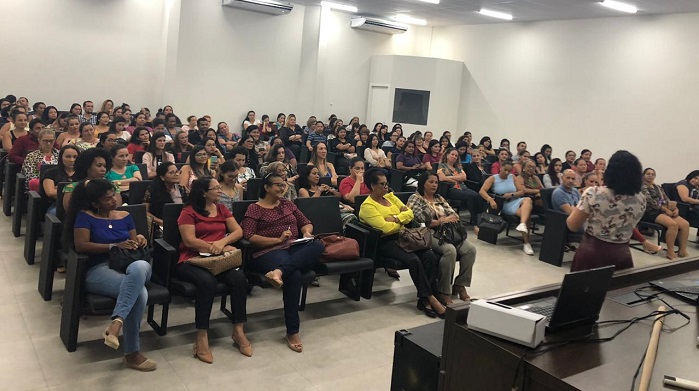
(213, 159)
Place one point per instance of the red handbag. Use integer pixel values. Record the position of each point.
(338, 247)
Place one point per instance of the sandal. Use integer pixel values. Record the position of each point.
(297, 347)
(271, 278)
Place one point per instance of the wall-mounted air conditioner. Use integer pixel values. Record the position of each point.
(378, 25)
(271, 7)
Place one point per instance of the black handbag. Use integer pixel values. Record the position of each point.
(490, 226)
(452, 233)
(121, 258)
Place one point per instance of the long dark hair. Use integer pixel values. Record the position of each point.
(304, 183)
(433, 142)
(200, 170)
(82, 198)
(151, 147)
(197, 196)
(45, 114)
(273, 152)
(117, 119)
(555, 180)
(623, 174)
(136, 132)
(159, 195)
(423, 179)
(85, 159)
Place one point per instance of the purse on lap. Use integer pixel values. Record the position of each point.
(121, 258)
(453, 233)
(218, 264)
(415, 239)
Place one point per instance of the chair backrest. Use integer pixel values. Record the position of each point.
(305, 155)
(139, 216)
(143, 169)
(331, 158)
(324, 213)
(171, 231)
(138, 157)
(360, 151)
(546, 195)
(404, 195)
(252, 191)
(43, 168)
(137, 190)
(60, 211)
(394, 157)
(239, 209)
(301, 167)
(491, 158)
(181, 157)
(671, 190)
(326, 180)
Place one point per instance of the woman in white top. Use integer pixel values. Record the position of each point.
(250, 120)
(375, 155)
(156, 154)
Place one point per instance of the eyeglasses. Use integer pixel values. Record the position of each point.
(48, 141)
(280, 185)
(201, 155)
(384, 184)
(110, 140)
(216, 188)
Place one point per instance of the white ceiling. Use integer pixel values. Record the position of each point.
(459, 12)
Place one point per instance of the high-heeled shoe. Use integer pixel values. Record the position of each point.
(203, 357)
(297, 347)
(244, 350)
(273, 281)
(461, 292)
(428, 311)
(112, 340)
(392, 273)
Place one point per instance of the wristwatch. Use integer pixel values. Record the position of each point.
(396, 217)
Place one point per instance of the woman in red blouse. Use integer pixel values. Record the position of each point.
(273, 224)
(208, 227)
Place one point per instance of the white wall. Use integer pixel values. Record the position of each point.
(68, 51)
(601, 84)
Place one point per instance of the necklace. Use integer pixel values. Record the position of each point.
(109, 221)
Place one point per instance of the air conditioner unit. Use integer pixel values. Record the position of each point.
(271, 7)
(378, 25)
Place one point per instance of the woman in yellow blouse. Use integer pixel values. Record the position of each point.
(384, 211)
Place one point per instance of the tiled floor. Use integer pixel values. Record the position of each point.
(347, 345)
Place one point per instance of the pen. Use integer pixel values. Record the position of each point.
(682, 383)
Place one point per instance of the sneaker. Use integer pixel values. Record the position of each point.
(528, 249)
(522, 228)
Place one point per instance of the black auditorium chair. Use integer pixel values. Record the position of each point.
(138, 157)
(137, 190)
(252, 190)
(76, 301)
(51, 254)
(556, 234)
(19, 203)
(165, 258)
(258, 279)
(8, 186)
(143, 170)
(356, 275)
(3, 159)
(36, 209)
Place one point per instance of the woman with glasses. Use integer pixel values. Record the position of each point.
(46, 154)
(384, 211)
(198, 167)
(278, 168)
(165, 189)
(207, 226)
(272, 225)
(231, 190)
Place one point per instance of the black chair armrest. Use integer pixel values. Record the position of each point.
(164, 256)
(360, 234)
(34, 211)
(49, 255)
(76, 267)
(373, 238)
(684, 210)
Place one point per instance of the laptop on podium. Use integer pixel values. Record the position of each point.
(579, 300)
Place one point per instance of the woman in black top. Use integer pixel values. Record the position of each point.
(292, 135)
(63, 172)
(341, 146)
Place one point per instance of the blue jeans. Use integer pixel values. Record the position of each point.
(51, 210)
(130, 293)
(291, 262)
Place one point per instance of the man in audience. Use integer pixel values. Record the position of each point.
(521, 146)
(87, 116)
(316, 136)
(196, 135)
(566, 196)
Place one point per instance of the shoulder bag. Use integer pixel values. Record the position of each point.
(452, 233)
(338, 247)
(218, 264)
(121, 258)
(415, 239)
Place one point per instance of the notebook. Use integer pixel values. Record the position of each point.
(686, 290)
(579, 300)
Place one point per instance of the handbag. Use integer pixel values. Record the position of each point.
(415, 239)
(490, 226)
(453, 233)
(338, 247)
(218, 264)
(121, 258)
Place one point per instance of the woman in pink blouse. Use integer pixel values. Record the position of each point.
(273, 224)
(208, 227)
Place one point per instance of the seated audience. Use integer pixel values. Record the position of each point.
(292, 134)
(271, 225)
(248, 144)
(522, 157)
(63, 172)
(565, 197)
(90, 164)
(165, 189)
(450, 171)
(586, 155)
(140, 120)
(198, 167)
(529, 182)
(374, 155)
(102, 123)
(487, 144)
(433, 156)
(475, 171)
(309, 184)
(277, 154)
(590, 179)
(541, 165)
(433, 210)
(384, 211)
(87, 138)
(181, 144)
(319, 159)
(17, 128)
(464, 155)
(140, 141)
(353, 185)
(547, 151)
(226, 138)
(93, 226)
(156, 154)
(118, 127)
(342, 147)
(660, 210)
(600, 165)
(580, 169)
(569, 163)
(409, 162)
(46, 154)
(26, 143)
(108, 140)
(207, 226)
(503, 156)
(72, 131)
(278, 168)
(609, 214)
(240, 156)
(552, 178)
(231, 190)
(122, 172)
(316, 135)
(213, 147)
(190, 125)
(515, 204)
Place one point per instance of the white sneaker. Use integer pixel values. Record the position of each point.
(528, 249)
(522, 228)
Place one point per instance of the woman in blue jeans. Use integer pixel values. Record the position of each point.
(98, 227)
(272, 224)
